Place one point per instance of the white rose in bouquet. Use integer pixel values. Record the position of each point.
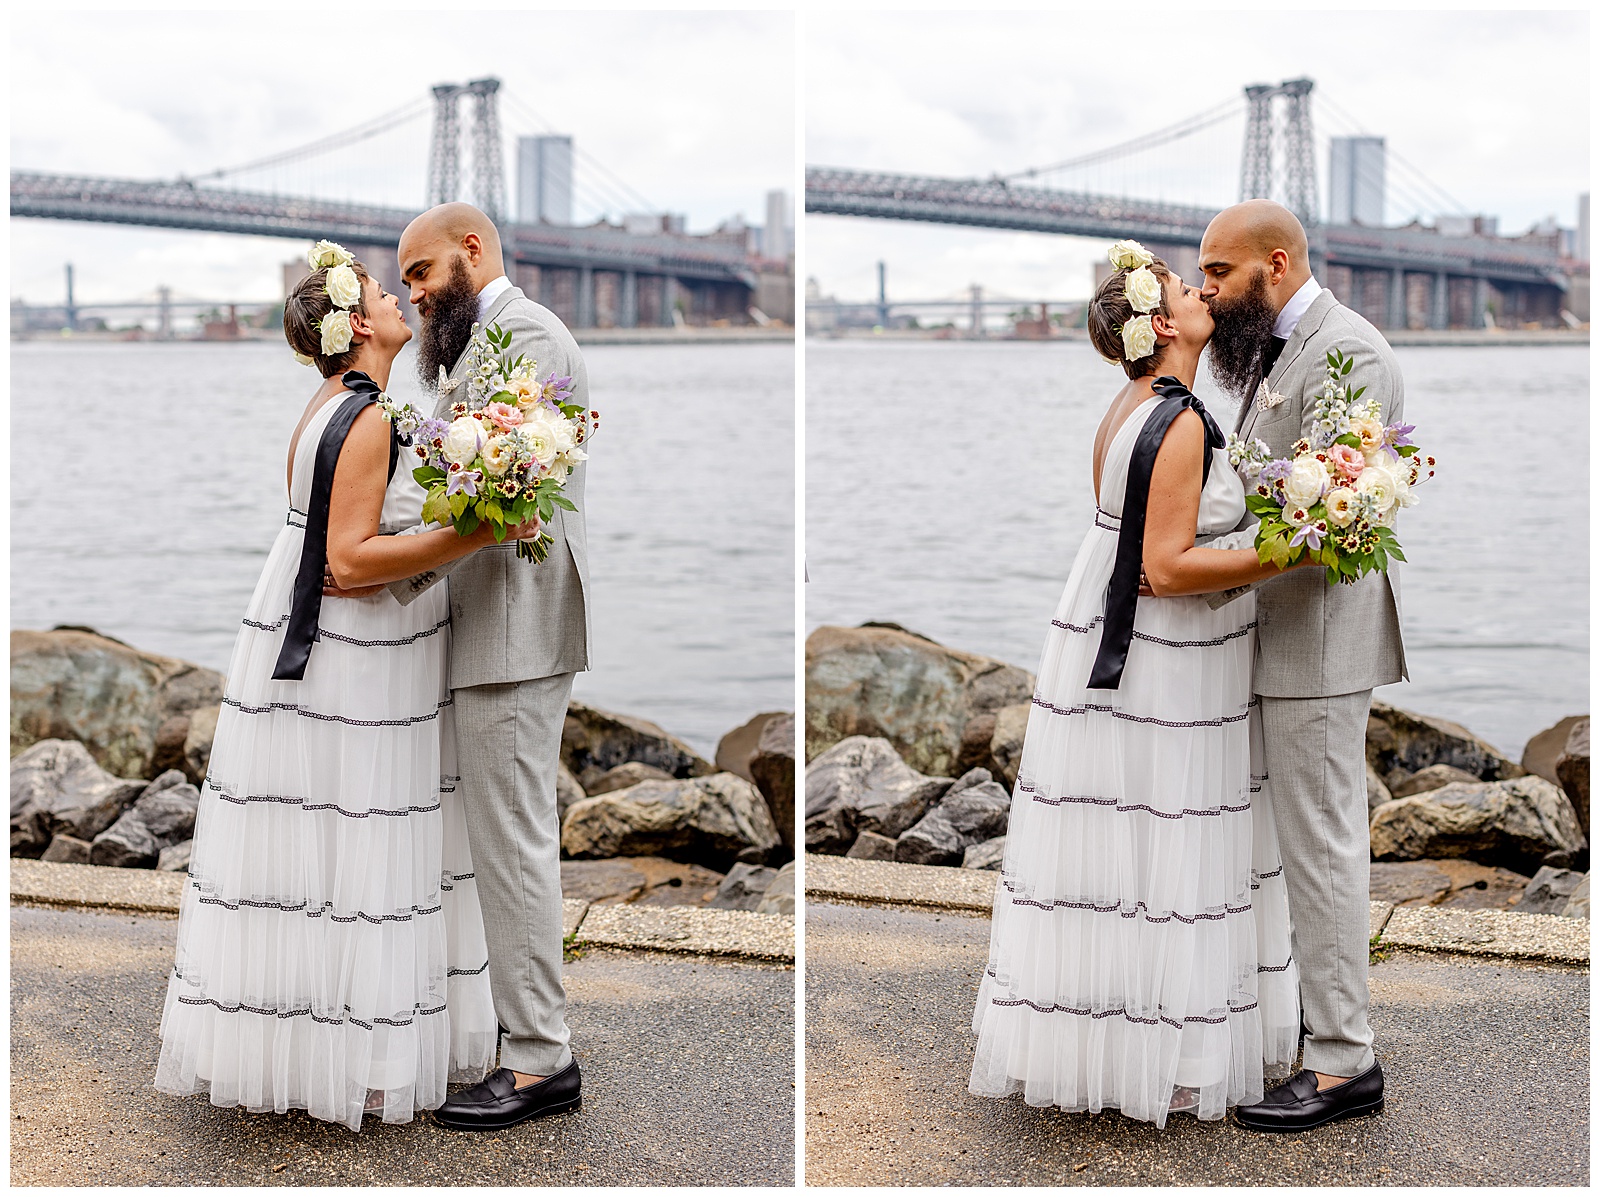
(1143, 290)
(1341, 506)
(1377, 482)
(1306, 483)
(343, 287)
(540, 437)
(497, 456)
(463, 440)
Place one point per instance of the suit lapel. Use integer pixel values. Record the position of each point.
(1309, 325)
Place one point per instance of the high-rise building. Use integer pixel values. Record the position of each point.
(544, 179)
(1355, 180)
(1581, 249)
(777, 233)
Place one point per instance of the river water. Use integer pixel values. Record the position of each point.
(948, 488)
(147, 483)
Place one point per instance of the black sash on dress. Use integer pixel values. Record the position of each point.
(307, 603)
(1122, 595)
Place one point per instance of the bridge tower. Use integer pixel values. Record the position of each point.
(1289, 175)
(488, 175)
(444, 155)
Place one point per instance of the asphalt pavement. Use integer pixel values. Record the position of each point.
(1486, 1064)
(688, 1070)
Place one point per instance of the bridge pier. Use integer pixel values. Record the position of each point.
(585, 313)
(628, 316)
(1397, 298)
(1440, 317)
(1480, 301)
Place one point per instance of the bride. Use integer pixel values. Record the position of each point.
(330, 950)
(1139, 955)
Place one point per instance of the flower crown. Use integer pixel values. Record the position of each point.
(1143, 290)
(343, 288)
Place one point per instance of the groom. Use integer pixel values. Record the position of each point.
(519, 634)
(1320, 649)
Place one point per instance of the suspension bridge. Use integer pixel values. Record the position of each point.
(1398, 277)
(592, 276)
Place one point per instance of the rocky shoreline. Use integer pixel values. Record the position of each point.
(912, 748)
(110, 746)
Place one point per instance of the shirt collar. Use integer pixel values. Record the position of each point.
(492, 290)
(1294, 309)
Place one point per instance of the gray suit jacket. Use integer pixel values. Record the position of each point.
(514, 620)
(1313, 639)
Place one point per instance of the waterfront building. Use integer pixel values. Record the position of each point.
(1355, 181)
(544, 179)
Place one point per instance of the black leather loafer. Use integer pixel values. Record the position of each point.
(1298, 1106)
(495, 1102)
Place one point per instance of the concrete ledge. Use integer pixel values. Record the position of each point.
(95, 885)
(657, 928)
(888, 883)
(1380, 913)
(688, 929)
(1489, 933)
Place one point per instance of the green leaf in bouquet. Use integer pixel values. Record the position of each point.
(458, 504)
(1407, 450)
(1395, 552)
(1348, 438)
(503, 397)
(1357, 393)
(495, 512)
(436, 508)
(1344, 369)
(467, 523)
(561, 500)
(427, 475)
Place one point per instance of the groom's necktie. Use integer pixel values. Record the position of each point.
(1270, 355)
(1122, 595)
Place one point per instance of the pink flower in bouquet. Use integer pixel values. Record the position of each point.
(504, 415)
(1348, 460)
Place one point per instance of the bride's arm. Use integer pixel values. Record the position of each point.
(357, 555)
(1172, 563)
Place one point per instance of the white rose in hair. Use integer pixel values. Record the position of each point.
(463, 439)
(303, 359)
(328, 253)
(336, 333)
(1125, 255)
(343, 287)
(1143, 290)
(1138, 338)
(1307, 480)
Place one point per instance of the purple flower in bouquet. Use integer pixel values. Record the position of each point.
(556, 391)
(1276, 471)
(463, 482)
(1309, 535)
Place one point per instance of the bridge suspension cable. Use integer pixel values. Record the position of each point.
(327, 145)
(609, 187)
(1194, 124)
(1439, 197)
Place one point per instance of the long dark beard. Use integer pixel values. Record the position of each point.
(448, 325)
(1243, 332)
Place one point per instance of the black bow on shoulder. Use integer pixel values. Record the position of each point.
(307, 605)
(1122, 596)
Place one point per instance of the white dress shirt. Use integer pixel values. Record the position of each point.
(492, 289)
(1292, 311)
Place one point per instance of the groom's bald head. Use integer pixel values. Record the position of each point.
(440, 236)
(1253, 238)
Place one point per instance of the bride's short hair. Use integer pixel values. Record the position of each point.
(303, 311)
(1109, 310)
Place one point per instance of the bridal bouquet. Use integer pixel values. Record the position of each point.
(505, 453)
(1336, 497)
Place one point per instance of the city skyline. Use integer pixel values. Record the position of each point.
(1077, 82)
(671, 136)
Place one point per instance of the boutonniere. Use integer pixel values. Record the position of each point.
(446, 383)
(1266, 399)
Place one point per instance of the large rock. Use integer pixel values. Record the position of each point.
(885, 682)
(1578, 905)
(715, 821)
(990, 854)
(74, 684)
(779, 898)
(1432, 778)
(974, 810)
(1572, 772)
(66, 849)
(734, 749)
(623, 776)
(1549, 891)
(772, 769)
(176, 858)
(568, 792)
(593, 741)
(1513, 824)
(870, 845)
(1398, 738)
(861, 784)
(162, 817)
(743, 887)
(1005, 745)
(1377, 792)
(1546, 748)
(58, 789)
(202, 730)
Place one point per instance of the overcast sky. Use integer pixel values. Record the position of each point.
(694, 110)
(1493, 107)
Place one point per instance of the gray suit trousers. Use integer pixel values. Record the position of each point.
(1316, 758)
(509, 739)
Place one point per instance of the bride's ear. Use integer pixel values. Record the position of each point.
(360, 325)
(1163, 326)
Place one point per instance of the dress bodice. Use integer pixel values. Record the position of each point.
(402, 498)
(1221, 498)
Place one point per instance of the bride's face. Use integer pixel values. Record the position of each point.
(388, 328)
(1190, 316)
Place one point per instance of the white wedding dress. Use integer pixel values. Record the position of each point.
(1141, 934)
(330, 941)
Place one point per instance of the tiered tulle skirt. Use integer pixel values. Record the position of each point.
(1141, 933)
(330, 943)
